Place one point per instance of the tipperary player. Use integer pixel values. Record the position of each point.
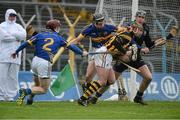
(46, 45)
(99, 32)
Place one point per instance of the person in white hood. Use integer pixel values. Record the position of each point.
(11, 35)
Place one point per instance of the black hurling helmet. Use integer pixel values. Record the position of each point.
(141, 13)
(97, 17)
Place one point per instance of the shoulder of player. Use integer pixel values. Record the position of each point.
(60, 37)
(48, 33)
(62, 40)
(88, 29)
(110, 26)
(55, 37)
(90, 26)
(41, 35)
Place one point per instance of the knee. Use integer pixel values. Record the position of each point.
(102, 82)
(149, 78)
(108, 83)
(89, 77)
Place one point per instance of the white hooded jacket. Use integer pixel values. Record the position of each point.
(11, 35)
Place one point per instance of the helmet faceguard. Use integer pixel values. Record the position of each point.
(140, 13)
(98, 18)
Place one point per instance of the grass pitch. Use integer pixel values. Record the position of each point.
(102, 110)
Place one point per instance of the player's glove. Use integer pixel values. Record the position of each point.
(159, 42)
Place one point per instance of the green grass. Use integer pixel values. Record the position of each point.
(102, 110)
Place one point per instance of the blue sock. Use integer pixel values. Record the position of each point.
(28, 91)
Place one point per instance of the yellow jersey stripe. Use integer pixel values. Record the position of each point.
(126, 37)
(99, 39)
(81, 35)
(30, 42)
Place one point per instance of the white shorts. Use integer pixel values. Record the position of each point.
(41, 68)
(91, 57)
(103, 60)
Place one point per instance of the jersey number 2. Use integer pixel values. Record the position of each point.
(50, 42)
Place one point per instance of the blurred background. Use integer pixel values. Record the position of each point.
(48, 9)
(162, 10)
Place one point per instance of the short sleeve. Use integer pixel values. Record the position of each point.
(86, 30)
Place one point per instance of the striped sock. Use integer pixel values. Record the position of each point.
(94, 86)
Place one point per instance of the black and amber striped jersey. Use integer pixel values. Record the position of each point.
(119, 42)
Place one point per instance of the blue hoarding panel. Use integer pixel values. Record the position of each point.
(162, 87)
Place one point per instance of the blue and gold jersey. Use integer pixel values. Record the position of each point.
(99, 36)
(46, 44)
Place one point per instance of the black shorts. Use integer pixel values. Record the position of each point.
(119, 67)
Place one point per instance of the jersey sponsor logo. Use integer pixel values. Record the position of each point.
(170, 87)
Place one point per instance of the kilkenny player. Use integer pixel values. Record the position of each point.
(139, 63)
